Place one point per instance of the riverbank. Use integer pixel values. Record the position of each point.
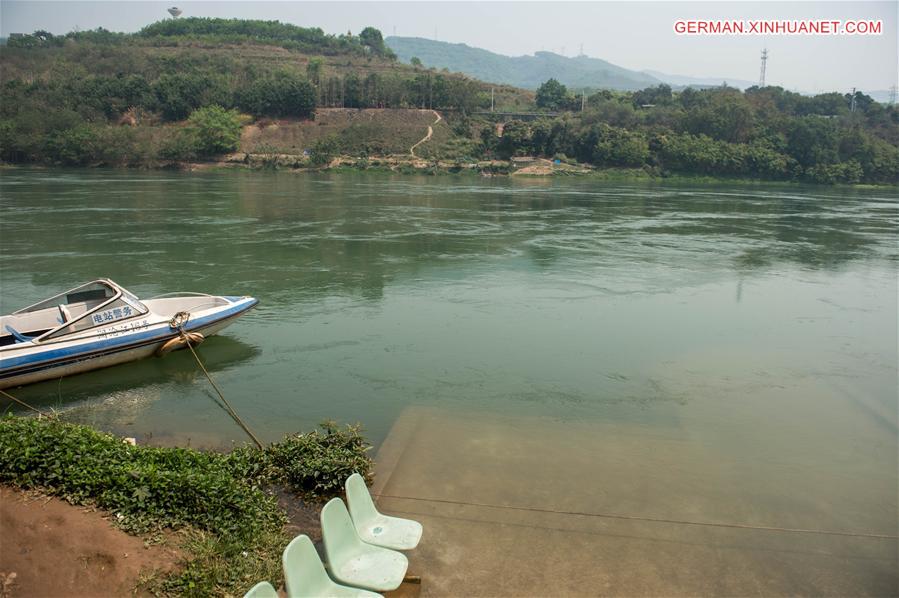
(190, 521)
(64, 550)
(393, 165)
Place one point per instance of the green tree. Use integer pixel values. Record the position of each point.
(552, 95)
(618, 147)
(314, 71)
(281, 94)
(217, 130)
(372, 38)
(516, 140)
(75, 146)
(352, 91)
(179, 94)
(660, 94)
(416, 62)
(813, 140)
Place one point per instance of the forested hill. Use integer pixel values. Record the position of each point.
(64, 98)
(184, 90)
(521, 71)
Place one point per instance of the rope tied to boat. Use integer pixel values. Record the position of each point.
(189, 339)
(183, 339)
(23, 403)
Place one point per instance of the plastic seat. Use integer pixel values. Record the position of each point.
(372, 526)
(355, 562)
(263, 589)
(304, 574)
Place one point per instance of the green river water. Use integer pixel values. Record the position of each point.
(759, 321)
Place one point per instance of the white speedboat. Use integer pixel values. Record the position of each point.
(99, 324)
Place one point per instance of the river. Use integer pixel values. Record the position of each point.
(758, 321)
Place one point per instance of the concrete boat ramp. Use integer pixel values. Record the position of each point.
(530, 506)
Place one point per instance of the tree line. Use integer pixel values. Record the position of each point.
(765, 133)
(215, 30)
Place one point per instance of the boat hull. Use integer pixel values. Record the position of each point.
(118, 350)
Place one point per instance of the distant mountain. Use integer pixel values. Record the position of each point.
(687, 81)
(521, 71)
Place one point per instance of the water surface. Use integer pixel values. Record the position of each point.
(757, 323)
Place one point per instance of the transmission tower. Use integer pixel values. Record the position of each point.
(893, 96)
(852, 101)
(764, 65)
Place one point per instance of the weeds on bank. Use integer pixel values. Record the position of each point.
(234, 529)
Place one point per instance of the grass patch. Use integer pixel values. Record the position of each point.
(234, 529)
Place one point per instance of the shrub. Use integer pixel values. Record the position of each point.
(317, 463)
(146, 487)
(73, 147)
(324, 150)
(181, 145)
(216, 130)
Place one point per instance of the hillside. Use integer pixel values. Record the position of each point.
(521, 71)
(269, 94)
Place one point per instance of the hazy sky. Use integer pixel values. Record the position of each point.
(635, 35)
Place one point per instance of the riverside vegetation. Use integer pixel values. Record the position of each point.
(184, 90)
(233, 527)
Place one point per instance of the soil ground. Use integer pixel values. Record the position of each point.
(51, 548)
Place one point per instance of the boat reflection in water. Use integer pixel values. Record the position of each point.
(117, 398)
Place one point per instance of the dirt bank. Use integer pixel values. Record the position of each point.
(51, 548)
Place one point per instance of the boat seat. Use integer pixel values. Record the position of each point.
(20, 338)
(64, 314)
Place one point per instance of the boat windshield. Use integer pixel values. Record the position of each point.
(97, 303)
(90, 294)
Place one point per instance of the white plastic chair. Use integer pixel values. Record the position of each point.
(355, 562)
(263, 589)
(304, 574)
(372, 526)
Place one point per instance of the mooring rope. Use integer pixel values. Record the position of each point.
(23, 403)
(767, 528)
(178, 322)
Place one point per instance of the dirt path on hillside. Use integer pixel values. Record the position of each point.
(428, 136)
(51, 548)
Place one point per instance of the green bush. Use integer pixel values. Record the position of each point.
(72, 147)
(145, 487)
(216, 130)
(324, 150)
(319, 462)
(181, 145)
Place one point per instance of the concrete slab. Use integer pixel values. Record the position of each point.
(454, 473)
